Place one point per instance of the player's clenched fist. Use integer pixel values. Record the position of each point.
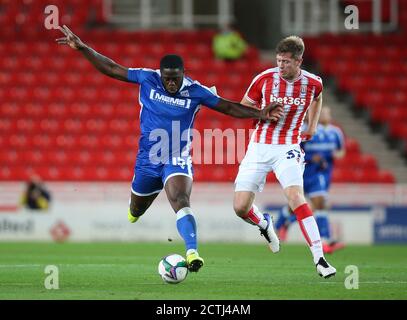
(307, 135)
(272, 112)
(70, 38)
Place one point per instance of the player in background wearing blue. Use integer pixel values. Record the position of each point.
(326, 145)
(169, 103)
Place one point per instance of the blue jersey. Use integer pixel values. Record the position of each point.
(325, 142)
(165, 119)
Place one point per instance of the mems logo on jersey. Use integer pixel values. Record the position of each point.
(178, 102)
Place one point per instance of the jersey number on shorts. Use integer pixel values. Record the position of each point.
(294, 154)
(182, 162)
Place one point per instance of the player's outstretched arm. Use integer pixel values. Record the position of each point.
(103, 64)
(273, 112)
(313, 118)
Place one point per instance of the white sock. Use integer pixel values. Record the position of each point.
(263, 222)
(256, 217)
(311, 229)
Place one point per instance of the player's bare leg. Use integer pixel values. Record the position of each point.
(139, 205)
(309, 228)
(245, 208)
(318, 202)
(178, 189)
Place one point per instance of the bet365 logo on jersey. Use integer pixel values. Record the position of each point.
(289, 100)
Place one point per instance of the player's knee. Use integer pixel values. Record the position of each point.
(318, 203)
(292, 193)
(137, 210)
(241, 207)
(295, 197)
(179, 201)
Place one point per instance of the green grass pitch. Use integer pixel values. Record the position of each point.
(231, 271)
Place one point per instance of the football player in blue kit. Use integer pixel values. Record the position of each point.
(169, 102)
(326, 145)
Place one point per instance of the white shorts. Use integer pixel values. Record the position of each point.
(286, 161)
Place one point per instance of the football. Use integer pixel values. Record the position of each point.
(173, 268)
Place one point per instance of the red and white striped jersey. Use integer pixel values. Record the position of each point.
(296, 97)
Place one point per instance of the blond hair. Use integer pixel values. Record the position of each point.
(293, 44)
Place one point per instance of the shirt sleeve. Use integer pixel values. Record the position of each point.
(138, 75)
(208, 96)
(318, 88)
(253, 93)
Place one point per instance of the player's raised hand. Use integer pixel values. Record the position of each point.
(272, 112)
(70, 38)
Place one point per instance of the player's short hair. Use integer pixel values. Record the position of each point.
(293, 44)
(171, 61)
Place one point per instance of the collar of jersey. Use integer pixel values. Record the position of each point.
(292, 81)
(184, 82)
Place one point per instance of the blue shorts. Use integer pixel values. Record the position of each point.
(316, 185)
(149, 179)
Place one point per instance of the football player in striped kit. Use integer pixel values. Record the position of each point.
(275, 146)
(321, 151)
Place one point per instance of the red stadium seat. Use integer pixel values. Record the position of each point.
(352, 146)
(386, 177)
(398, 129)
(368, 161)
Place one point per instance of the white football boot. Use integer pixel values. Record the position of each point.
(324, 269)
(270, 234)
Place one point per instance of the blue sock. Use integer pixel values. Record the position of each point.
(281, 219)
(284, 217)
(323, 225)
(292, 218)
(186, 226)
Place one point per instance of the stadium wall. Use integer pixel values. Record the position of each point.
(98, 212)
